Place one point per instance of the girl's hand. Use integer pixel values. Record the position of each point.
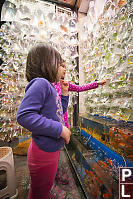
(102, 82)
(64, 87)
(65, 134)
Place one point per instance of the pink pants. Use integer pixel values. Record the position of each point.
(43, 167)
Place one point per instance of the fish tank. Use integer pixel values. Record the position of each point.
(114, 134)
(94, 169)
(106, 114)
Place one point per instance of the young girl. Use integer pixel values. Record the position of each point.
(61, 176)
(41, 112)
(74, 88)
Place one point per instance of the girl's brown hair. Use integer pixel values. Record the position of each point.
(43, 61)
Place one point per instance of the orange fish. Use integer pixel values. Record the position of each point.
(117, 140)
(109, 162)
(40, 23)
(130, 139)
(102, 163)
(115, 144)
(98, 180)
(86, 171)
(130, 147)
(122, 2)
(64, 28)
(115, 129)
(122, 145)
(106, 195)
(89, 173)
(124, 135)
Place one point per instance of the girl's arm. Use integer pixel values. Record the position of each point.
(78, 88)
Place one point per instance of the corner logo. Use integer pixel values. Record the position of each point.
(126, 183)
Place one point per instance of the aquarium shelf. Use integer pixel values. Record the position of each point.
(97, 145)
(85, 163)
(107, 121)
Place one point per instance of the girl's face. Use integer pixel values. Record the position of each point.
(61, 71)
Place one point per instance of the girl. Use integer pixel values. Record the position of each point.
(74, 88)
(41, 112)
(61, 177)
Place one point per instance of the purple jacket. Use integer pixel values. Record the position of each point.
(41, 112)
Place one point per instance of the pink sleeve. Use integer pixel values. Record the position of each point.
(77, 88)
